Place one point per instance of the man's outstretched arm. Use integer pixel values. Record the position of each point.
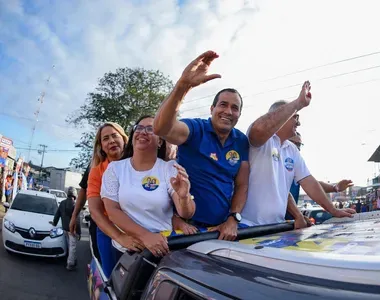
(165, 123)
(267, 125)
(314, 190)
(336, 188)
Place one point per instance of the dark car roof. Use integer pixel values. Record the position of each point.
(238, 280)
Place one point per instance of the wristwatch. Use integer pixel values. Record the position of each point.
(236, 216)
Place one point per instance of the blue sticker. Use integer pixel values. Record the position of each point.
(289, 164)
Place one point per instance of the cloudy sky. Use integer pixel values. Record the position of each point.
(267, 49)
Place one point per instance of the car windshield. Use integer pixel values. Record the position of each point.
(58, 194)
(35, 204)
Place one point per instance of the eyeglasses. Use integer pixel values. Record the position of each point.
(141, 128)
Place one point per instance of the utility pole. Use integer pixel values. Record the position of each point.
(42, 151)
(36, 114)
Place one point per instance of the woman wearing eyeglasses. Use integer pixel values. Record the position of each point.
(139, 192)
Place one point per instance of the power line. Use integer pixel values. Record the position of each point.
(298, 72)
(294, 97)
(294, 85)
(33, 120)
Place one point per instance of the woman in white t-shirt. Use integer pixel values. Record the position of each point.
(140, 192)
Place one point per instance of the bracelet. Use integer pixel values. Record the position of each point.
(335, 187)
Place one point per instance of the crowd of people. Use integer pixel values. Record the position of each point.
(171, 174)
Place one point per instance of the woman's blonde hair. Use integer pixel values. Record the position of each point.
(99, 155)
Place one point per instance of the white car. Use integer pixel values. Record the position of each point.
(26, 228)
(60, 195)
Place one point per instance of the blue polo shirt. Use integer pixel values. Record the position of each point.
(212, 168)
(295, 191)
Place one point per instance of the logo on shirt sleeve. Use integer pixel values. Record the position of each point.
(232, 157)
(289, 164)
(150, 183)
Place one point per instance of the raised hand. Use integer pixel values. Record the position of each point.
(343, 185)
(181, 183)
(196, 72)
(305, 95)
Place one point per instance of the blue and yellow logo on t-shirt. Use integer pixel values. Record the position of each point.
(289, 164)
(232, 157)
(150, 183)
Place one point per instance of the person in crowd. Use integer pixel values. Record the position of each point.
(358, 206)
(110, 141)
(79, 204)
(65, 212)
(139, 192)
(275, 162)
(213, 152)
(8, 189)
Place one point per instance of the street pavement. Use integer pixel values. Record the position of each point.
(27, 277)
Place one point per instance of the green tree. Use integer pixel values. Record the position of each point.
(120, 97)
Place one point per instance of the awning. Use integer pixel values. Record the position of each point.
(375, 157)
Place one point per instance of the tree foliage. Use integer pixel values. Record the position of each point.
(121, 97)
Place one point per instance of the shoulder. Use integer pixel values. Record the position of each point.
(165, 164)
(193, 123)
(119, 166)
(94, 170)
(268, 145)
(240, 136)
(119, 163)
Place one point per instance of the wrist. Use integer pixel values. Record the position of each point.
(186, 200)
(231, 218)
(235, 216)
(183, 86)
(335, 188)
(297, 105)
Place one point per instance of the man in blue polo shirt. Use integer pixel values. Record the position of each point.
(213, 152)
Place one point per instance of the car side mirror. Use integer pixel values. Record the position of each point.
(6, 204)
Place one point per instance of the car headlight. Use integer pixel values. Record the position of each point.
(9, 225)
(56, 232)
